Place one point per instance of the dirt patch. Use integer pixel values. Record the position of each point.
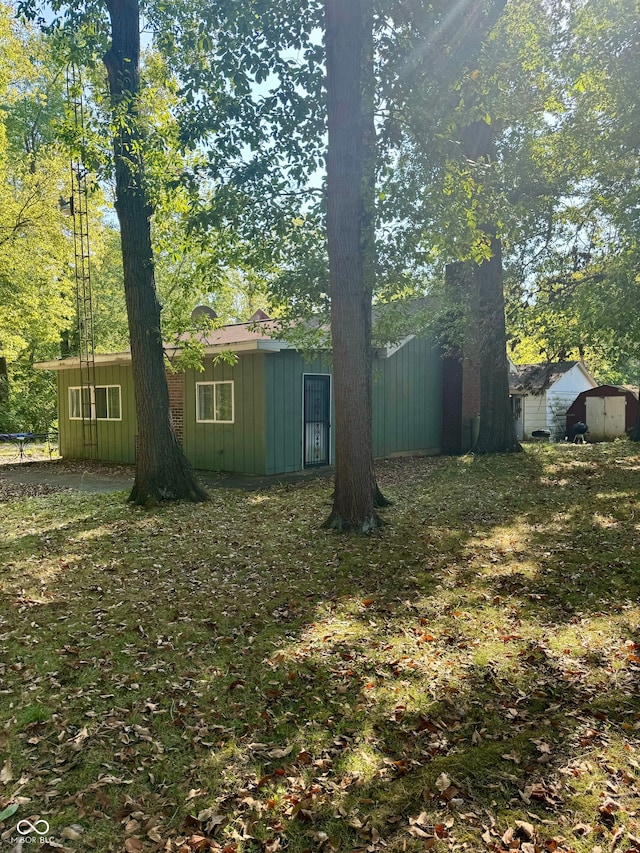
(57, 475)
(42, 464)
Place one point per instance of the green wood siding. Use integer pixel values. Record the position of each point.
(407, 400)
(283, 421)
(238, 446)
(267, 434)
(116, 439)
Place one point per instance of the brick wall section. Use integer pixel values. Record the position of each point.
(175, 382)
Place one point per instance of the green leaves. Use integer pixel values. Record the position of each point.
(586, 264)
(9, 811)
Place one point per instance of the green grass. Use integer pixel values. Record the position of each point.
(10, 453)
(230, 676)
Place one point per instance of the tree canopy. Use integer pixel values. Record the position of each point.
(232, 107)
(35, 253)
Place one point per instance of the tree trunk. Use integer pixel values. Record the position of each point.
(4, 381)
(349, 278)
(162, 470)
(497, 428)
(370, 162)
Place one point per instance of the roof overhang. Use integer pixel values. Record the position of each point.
(100, 360)
(123, 358)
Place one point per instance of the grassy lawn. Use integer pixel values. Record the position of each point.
(231, 677)
(39, 451)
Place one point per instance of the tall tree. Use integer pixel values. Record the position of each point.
(162, 470)
(497, 428)
(82, 30)
(473, 175)
(35, 253)
(346, 40)
(578, 296)
(241, 46)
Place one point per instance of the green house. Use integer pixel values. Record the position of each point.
(270, 412)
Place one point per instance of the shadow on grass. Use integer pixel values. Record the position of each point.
(467, 667)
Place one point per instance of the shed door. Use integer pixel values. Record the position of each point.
(606, 417)
(317, 408)
(518, 420)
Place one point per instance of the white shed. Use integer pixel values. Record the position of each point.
(542, 393)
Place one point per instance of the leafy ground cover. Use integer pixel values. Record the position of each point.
(231, 677)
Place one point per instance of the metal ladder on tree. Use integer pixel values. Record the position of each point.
(84, 300)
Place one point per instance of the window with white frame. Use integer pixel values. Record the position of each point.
(79, 403)
(107, 402)
(214, 402)
(100, 402)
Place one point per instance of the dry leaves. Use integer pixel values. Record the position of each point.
(228, 678)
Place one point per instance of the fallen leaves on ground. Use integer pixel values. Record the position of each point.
(231, 678)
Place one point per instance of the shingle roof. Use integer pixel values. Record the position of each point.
(258, 334)
(536, 378)
(238, 333)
